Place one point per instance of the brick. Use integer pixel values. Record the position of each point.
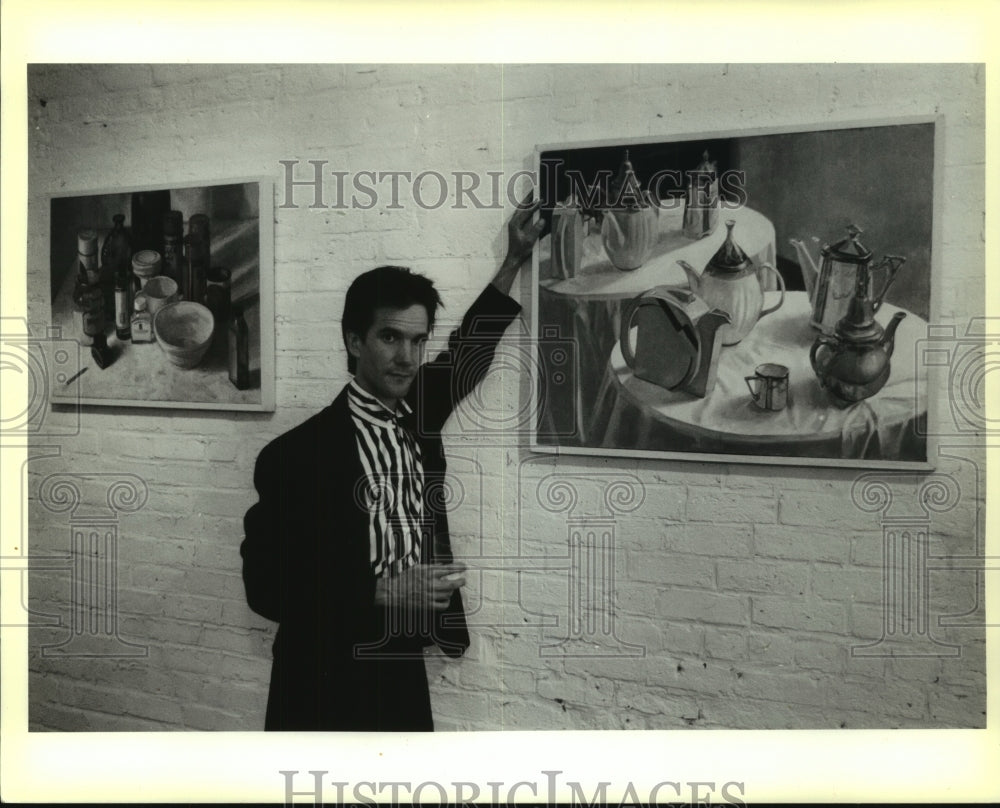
(957, 707)
(219, 584)
(757, 576)
(218, 557)
(917, 669)
(146, 446)
(537, 713)
(631, 598)
(70, 719)
(237, 613)
(722, 644)
(722, 507)
(525, 81)
(657, 701)
(866, 550)
(222, 502)
(837, 583)
(250, 643)
(799, 613)
(707, 539)
(663, 502)
(463, 707)
(183, 606)
(659, 568)
(167, 553)
(796, 543)
(641, 631)
(705, 607)
(618, 669)
(683, 639)
(155, 577)
(770, 649)
(866, 622)
(829, 657)
(695, 674)
(584, 691)
(821, 508)
(124, 77)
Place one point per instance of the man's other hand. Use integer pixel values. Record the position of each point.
(422, 587)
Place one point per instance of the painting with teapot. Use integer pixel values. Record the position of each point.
(749, 298)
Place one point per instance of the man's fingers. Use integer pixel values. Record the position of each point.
(448, 583)
(444, 570)
(526, 211)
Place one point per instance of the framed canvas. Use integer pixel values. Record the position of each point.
(741, 296)
(193, 267)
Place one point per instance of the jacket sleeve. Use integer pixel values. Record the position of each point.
(296, 569)
(454, 373)
(262, 564)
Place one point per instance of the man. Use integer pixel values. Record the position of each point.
(347, 547)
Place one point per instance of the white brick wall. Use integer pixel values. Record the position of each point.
(746, 587)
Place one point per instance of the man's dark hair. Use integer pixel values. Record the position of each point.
(389, 287)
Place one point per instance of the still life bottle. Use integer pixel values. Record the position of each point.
(195, 267)
(88, 298)
(239, 350)
(116, 252)
(173, 246)
(124, 291)
(142, 321)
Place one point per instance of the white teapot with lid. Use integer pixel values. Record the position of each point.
(731, 282)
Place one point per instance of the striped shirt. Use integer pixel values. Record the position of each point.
(393, 485)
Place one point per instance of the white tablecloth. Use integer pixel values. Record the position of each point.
(632, 413)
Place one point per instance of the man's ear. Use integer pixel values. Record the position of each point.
(353, 344)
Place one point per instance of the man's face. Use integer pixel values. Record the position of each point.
(390, 353)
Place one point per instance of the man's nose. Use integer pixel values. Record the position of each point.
(407, 353)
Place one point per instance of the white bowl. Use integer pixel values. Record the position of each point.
(184, 331)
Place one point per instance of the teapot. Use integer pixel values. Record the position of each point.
(731, 283)
(831, 285)
(677, 342)
(630, 225)
(853, 364)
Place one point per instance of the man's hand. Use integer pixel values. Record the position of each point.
(422, 587)
(521, 238)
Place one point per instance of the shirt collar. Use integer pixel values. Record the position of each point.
(365, 405)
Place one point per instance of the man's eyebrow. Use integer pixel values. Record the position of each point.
(395, 332)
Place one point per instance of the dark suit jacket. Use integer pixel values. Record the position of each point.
(340, 661)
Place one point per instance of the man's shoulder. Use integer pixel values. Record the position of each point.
(322, 427)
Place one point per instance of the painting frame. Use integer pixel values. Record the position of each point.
(240, 213)
(551, 337)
